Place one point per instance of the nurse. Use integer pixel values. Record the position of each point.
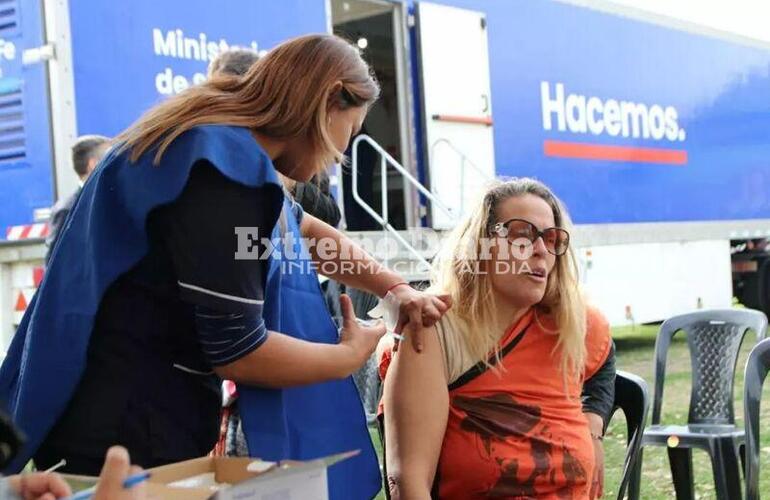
(181, 264)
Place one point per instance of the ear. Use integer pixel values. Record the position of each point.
(335, 87)
(334, 95)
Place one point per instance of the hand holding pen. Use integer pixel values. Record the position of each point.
(118, 480)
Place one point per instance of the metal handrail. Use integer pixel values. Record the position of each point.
(463, 161)
(383, 218)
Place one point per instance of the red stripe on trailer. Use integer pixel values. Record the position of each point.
(38, 230)
(37, 275)
(14, 232)
(29, 231)
(21, 303)
(606, 152)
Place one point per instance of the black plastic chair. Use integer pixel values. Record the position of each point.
(714, 339)
(757, 367)
(631, 397)
(366, 378)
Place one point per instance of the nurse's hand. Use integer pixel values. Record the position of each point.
(117, 467)
(360, 339)
(418, 308)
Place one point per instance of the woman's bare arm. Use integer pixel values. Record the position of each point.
(416, 407)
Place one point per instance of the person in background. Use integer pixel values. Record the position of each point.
(86, 154)
(492, 407)
(236, 62)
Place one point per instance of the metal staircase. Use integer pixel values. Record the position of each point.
(409, 251)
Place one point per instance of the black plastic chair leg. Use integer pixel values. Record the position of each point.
(742, 455)
(680, 460)
(727, 476)
(635, 477)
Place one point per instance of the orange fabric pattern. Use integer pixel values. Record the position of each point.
(522, 433)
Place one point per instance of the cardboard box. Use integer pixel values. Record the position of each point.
(285, 481)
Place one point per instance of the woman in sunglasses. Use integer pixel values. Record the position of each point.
(510, 394)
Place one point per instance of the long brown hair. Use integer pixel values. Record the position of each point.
(472, 293)
(285, 95)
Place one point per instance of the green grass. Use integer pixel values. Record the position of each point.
(635, 350)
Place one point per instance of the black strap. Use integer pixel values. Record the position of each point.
(482, 367)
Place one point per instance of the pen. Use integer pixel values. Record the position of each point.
(130, 482)
(61, 463)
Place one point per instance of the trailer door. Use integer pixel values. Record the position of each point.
(25, 141)
(458, 145)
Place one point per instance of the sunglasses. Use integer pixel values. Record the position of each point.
(556, 239)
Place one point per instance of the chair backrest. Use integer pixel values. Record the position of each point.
(757, 367)
(366, 378)
(632, 397)
(714, 338)
(367, 381)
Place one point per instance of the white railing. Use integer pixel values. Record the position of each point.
(382, 218)
(464, 160)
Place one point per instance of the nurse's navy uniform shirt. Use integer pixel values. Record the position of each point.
(149, 364)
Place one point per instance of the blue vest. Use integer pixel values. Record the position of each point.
(105, 236)
(277, 423)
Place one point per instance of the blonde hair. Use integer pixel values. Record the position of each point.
(474, 305)
(285, 94)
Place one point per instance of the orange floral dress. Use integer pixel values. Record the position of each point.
(521, 433)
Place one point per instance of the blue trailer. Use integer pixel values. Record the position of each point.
(653, 131)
